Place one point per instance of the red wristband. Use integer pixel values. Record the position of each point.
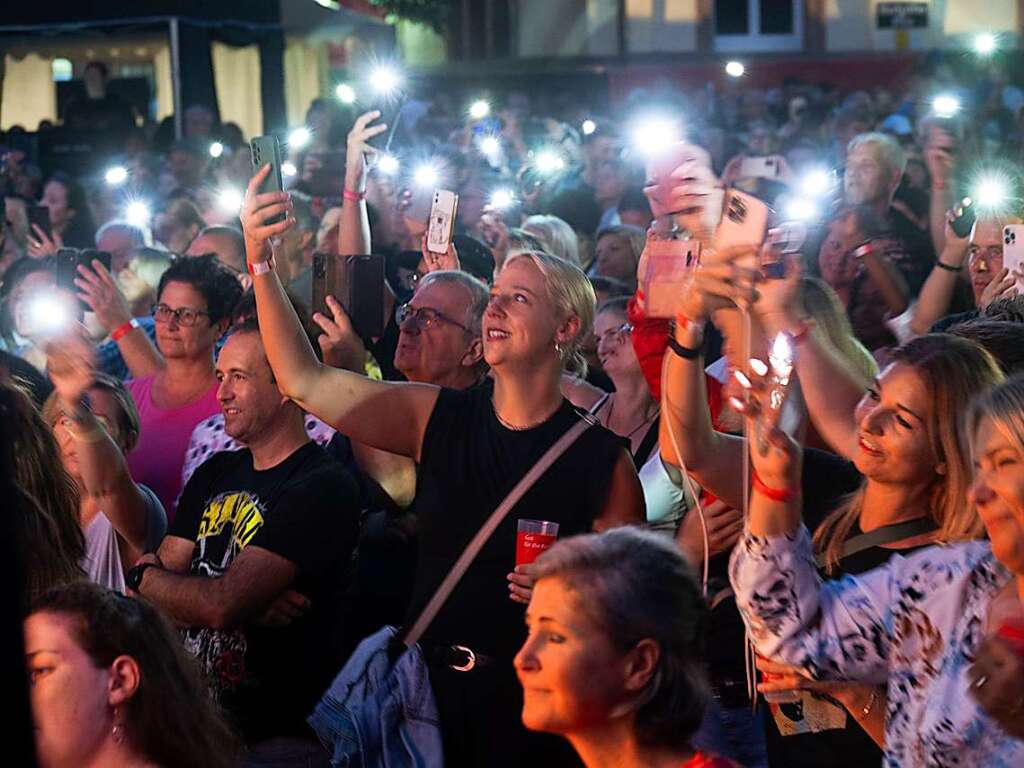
(800, 335)
(348, 194)
(122, 330)
(775, 494)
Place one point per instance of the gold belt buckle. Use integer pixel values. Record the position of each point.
(470, 663)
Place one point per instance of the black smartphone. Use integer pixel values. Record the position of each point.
(358, 283)
(68, 261)
(267, 149)
(962, 224)
(39, 215)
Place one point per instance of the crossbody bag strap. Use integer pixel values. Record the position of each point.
(881, 536)
(473, 549)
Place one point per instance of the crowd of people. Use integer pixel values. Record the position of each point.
(785, 476)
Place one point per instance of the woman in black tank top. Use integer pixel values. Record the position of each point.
(472, 448)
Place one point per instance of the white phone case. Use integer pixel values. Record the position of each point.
(1013, 250)
(442, 220)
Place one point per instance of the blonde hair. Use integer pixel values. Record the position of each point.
(572, 294)
(557, 237)
(821, 303)
(953, 371)
(1003, 404)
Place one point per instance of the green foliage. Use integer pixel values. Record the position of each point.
(433, 13)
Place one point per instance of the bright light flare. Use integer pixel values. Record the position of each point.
(138, 213)
(490, 147)
(945, 106)
(654, 135)
(388, 165)
(817, 183)
(549, 162)
(479, 109)
(985, 44)
(288, 169)
(385, 80)
(735, 69)
(229, 201)
(781, 358)
(426, 176)
(588, 127)
(116, 175)
(216, 149)
(992, 191)
(47, 315)
(801, 209)
(299, 138)
(502, 199)
(346, 93)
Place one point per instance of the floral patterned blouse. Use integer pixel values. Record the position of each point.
(913, 624)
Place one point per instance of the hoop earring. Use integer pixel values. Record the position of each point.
(117, 732)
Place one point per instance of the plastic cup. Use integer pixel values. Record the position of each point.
(778, 697)
(533, 537)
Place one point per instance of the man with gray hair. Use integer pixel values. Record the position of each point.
(119, 239)
(873, 256)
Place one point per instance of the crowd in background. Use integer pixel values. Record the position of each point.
(815, 560)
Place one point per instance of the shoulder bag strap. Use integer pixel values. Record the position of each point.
(485, 533)
(885, 535)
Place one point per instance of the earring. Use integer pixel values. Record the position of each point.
(558, 349)
(117, 732)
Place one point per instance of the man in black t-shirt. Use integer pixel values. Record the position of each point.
(257, 560)
(99, 110)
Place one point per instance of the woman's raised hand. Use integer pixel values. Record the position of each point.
(257, 210)
(359, 153)
(723, 279)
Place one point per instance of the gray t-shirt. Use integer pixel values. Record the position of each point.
(102, 562)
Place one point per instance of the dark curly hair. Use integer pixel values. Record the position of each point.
(171, 720)
(213, 280)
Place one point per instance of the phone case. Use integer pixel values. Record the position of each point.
(267, 149)
(760, 167)
(40, 216)
(963, 223)
(744, 221)
(662, 274)
(1013, 250)
(355, 281)
(442, 220)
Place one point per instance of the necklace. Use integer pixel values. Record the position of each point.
(523, 428)
(646, 420)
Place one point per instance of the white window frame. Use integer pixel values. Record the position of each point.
(756, 42)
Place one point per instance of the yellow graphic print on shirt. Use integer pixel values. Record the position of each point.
(237, 509)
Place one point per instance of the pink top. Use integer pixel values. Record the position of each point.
(163, 439)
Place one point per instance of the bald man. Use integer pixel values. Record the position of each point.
(229, 247)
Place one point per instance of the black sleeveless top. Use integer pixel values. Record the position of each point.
(470, 462)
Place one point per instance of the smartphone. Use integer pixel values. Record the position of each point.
(442, 220)
(662, 274)
(267, 149)
(783, 241)
(760, 167)
(744, 221)
(40, 216)
(355, 281)
(963, 223)
(1013, 250)
(660, 168)
(69, 259)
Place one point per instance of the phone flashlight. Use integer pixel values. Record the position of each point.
(388, 165)
(46, 316)
(801, 209)
(116, 175)
(735, 69)
(288, 169)
(985, 44)
(490, 147)
(502, 199)
(479, 109)
(299, 138)
(653, 135)
(138, 214)
(229, 200)
(425, 176)
(346, 93)
(216, 149)
(817, 182)
(780, 358)
(991, 192)
(945, 105)
(385, 79)
(588, 127)
(549, 162)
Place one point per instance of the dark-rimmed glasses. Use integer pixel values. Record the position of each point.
(183, 315)
(424, 318)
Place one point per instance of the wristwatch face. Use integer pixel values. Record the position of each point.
(134, 577)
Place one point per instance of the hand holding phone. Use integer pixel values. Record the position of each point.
(663, 273)
(357, 282)
(442, 220)
(264, 150)
(744, 221)
(1013, 254)
(964, 217)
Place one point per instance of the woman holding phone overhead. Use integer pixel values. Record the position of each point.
(472, 447)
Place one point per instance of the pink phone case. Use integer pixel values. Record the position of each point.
(662, 275)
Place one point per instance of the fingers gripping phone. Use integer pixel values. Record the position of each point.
(267, 149)
(1013, 251)
(962, 224)
(39, 215)
(442, 220)
(68, 261)
(744, 221)
(355, 281)
(663, 272)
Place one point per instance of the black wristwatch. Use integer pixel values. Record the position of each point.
(133, 579)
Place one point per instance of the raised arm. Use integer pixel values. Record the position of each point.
(392, 417)
(937, 291)
(71, 363)
(354, 232)
(100, 292)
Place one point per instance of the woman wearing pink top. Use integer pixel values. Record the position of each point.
(193, 309)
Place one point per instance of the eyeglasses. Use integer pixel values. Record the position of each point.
(616, 334)
(424, 318)
(183, 315)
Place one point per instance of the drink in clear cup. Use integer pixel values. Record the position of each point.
(532, 538)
